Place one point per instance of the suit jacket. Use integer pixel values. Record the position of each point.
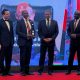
(6, 36)
(45, 32)
(76, 31)
(21, 31)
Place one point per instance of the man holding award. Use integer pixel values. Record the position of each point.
(25, 32)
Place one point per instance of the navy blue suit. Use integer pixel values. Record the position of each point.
(74, 43)
(6, 41)
(45, 31)
(25, 44)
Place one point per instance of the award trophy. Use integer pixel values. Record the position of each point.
(30, 34)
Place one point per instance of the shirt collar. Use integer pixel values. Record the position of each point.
(49, 19)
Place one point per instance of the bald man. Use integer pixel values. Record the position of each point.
(25, 32)
(74, 34)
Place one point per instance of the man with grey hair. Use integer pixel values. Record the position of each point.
(48, 31)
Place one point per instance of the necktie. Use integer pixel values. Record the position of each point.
(28, 28)
(47, 23)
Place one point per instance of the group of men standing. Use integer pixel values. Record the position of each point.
(47, 31)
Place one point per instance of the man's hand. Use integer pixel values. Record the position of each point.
(47, 39)
(30, 36)
(73, 35)
(0, 46)
(50, 39)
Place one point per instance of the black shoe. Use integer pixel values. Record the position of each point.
(23, 74)
(29, 73)
(40, 72)
(78, 72)
(3, 74)
(50, 72)
(0, 72)
(68, 72)
(7, 74)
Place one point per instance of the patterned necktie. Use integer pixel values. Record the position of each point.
(28, 27)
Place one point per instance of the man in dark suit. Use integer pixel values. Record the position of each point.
(74, 33)
(48, 31)
(0, 53)
(6, 42)
(25, 32)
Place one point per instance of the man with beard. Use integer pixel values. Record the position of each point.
(74, 34)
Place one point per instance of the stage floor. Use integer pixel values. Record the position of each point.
(44, 76)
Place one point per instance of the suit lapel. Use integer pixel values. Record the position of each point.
(45, 26)
(30, 23)
(72, 26)
(24, 24)
(10, 25)
(5, 25)
(77, 26)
